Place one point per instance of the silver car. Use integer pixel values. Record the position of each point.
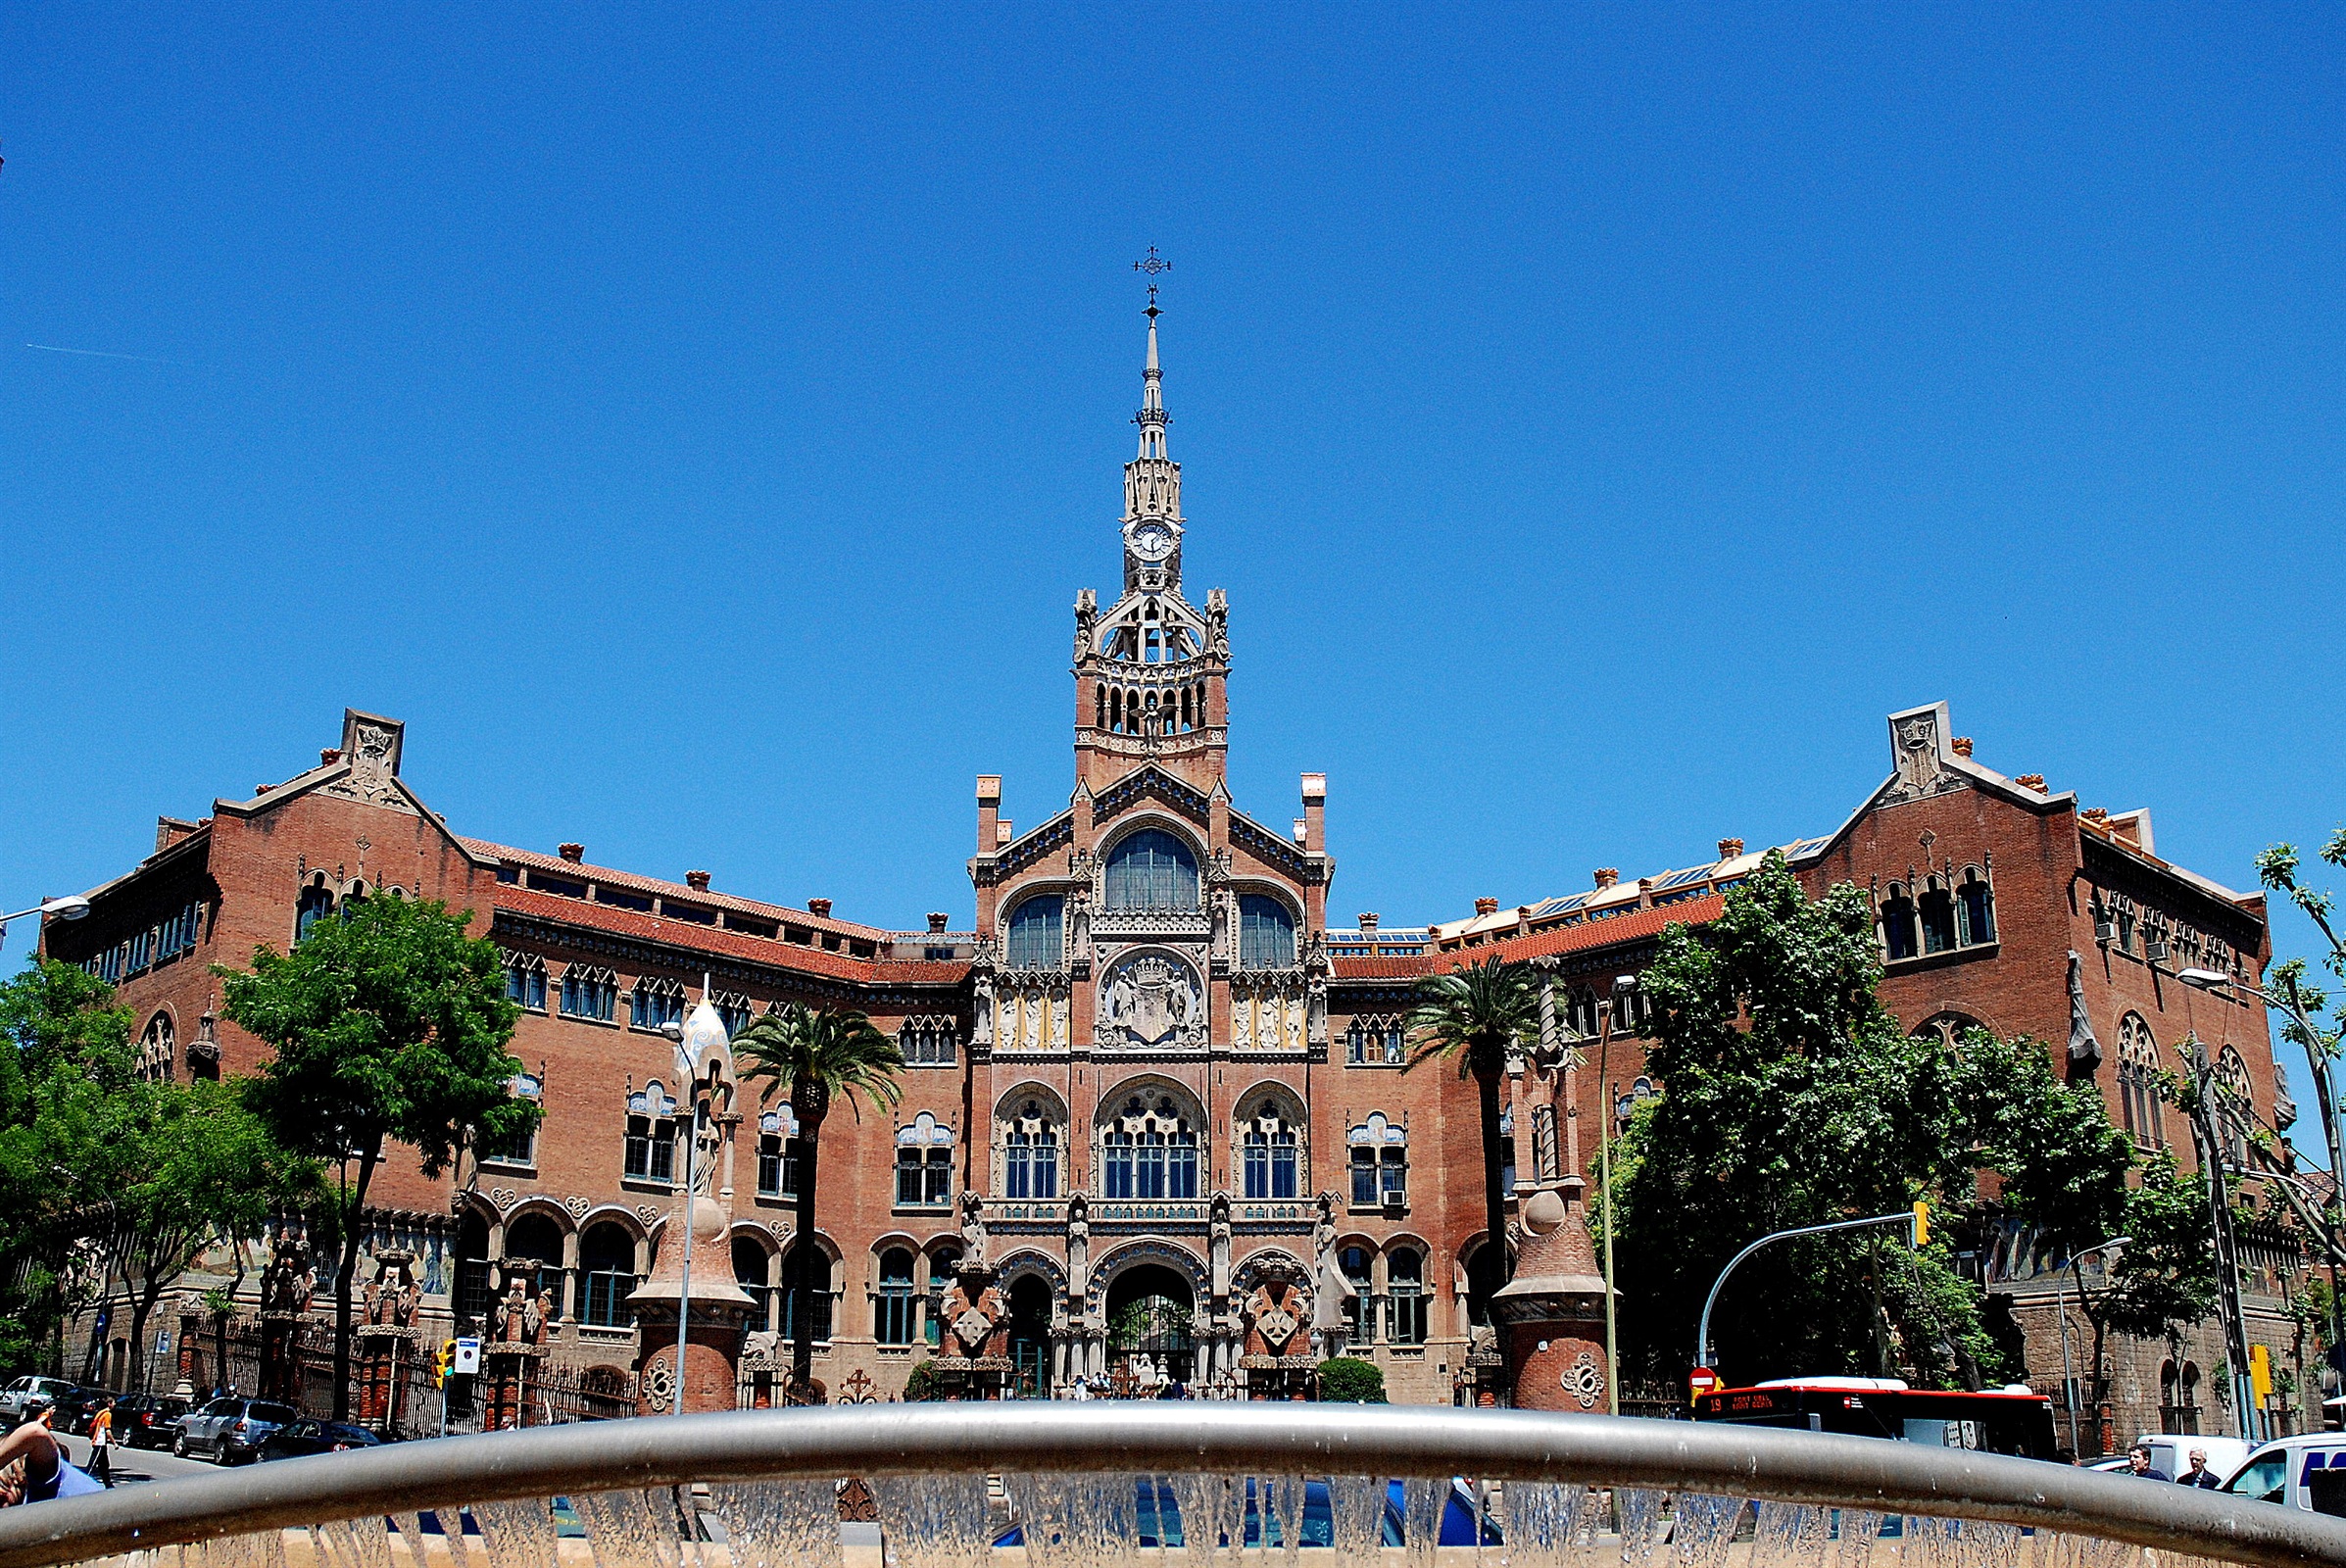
(230, 1429)
(29, 1396)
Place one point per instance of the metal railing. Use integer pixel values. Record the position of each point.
(1689, 1460)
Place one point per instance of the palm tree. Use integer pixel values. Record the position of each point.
(1479, 1014)
(819, 1055)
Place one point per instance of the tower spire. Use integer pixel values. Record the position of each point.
(1151, 418)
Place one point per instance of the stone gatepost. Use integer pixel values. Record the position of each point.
(191, 1357)
(1552, 1313)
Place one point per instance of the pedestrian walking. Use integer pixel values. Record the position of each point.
(101, 1443)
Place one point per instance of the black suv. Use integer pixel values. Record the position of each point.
(147, 1420)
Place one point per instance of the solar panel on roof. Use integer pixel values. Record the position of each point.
(1678, 879)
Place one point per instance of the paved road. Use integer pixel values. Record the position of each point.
(132, 1466)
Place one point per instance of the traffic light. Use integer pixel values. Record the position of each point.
(1922, 1223)
(440, 1364)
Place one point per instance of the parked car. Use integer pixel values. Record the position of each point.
(72, 1411)
(147, 1420)
(230, 1429)
(29, 1396)
(310, 1434)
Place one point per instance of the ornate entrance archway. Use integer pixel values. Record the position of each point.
(1151, 1331)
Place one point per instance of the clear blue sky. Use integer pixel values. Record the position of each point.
(697, 427)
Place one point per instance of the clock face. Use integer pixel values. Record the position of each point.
(1152, 541)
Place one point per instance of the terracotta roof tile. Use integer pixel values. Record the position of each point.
(716, 941)
(636, 883)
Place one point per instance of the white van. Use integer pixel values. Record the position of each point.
(2170, 1453)
(2277, 1471)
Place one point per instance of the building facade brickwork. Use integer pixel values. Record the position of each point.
(1175, 1088)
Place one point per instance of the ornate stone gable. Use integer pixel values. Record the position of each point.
(1923, 757)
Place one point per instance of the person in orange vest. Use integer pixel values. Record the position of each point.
(101, 1443)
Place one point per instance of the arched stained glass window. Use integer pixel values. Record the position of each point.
(1267, 933)
(1152, 870)
(1035, 925)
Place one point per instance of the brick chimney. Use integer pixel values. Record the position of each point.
(1368, 923)
(1485, 906)
(936, 925)
(819, 907)
(1606, 876)
(698, 881)
(1004, 831)
(2098, 815)
(1963, 746)
(2031, 781)
(574, 852)
(1729, 849)
(328, 755)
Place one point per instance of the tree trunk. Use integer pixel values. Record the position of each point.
(1495, 1196)
(346, 1272)
(802, 1258)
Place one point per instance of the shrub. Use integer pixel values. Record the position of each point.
(920, 1384)
(1349, 1380)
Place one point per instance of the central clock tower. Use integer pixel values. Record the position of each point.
(1149, 671)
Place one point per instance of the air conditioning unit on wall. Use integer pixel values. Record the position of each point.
(2154, 949)
(2105, 930)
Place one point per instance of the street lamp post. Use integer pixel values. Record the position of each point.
(1623, 986)
(70, 907)
(2069, 1379)
(1702, 1333)
(692, 1138)
(2318, 1061)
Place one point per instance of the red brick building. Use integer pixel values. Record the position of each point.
(1176, 1090)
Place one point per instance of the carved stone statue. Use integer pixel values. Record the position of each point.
(1218, 1249)
(392, 1299)
(1315, 1009)
(1323, 1228)
(1079, 1246)
(981, 1024)
(1079, 928)
(288, 1283)
(973, 1231)
(1217, 623)
(2084, 1051)
(1087, 622)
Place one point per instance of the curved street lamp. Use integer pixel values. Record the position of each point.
(2068, 1381)
(72, 906)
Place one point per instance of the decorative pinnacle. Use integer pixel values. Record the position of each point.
(1152, 264)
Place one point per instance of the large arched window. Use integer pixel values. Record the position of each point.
(1152, 870)
(751, 1264)
(924, 1164)
(1034, 939)
(1406, 1296)
(1031, 1154)
(158, 1048)
(533, 1248)
(892, 1312)
(1897, 925)
(315, 904)
(2137, 1081)
(1270, 1153)
(1937, 909)
(820, 1287)
(1975, 910)
(1267, 933)
(1354, 1262)
(2238, 1096)
(1149, 1151)
(607, 1260)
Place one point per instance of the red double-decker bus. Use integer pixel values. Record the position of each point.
(2012, 1420)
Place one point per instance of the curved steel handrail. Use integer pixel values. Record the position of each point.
(1109, 1436)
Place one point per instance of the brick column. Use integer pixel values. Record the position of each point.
(1554, 1309)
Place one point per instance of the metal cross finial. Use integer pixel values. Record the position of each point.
(1152, 264)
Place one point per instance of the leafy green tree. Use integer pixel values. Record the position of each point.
(2165, 1277)
(1477, 1014)
(1349, 1380)
(818, 1056)
(387, 1024)
(193, 1166)
(1792, 1097)
(64, 1046)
